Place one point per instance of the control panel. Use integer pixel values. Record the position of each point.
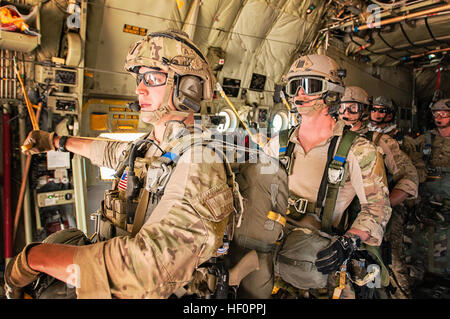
(55, 75)
(55, 198)
(62, 105)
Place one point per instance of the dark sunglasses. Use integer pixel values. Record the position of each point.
(152, 78)
(383, 111)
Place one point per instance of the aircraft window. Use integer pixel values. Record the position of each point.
(280, 121)
(224, 126)
(106, 173)
(277, 123)
(230, 121)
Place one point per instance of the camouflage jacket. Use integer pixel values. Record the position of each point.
(398, 164)
(366, 178)
(185, 229)
(440, 152)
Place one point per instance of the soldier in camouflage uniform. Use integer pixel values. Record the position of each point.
(382, 116)
(315, 88)
(428, 236)
(402, 176)
(186, 210)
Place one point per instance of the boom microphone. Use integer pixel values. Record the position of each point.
(134, 106)
(298, 102)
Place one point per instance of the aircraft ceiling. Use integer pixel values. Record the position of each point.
(259, 39)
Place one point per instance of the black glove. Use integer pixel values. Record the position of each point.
(331, 258)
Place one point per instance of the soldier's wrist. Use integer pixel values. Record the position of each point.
(355, 240)
(62, 144)
(364, 235)
(55, 141)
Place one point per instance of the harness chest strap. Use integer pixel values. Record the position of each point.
(336, 167)
(286, 150)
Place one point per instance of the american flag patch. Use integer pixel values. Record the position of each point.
(123, 182)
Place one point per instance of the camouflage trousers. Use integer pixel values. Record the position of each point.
(427, 241)
(399, 276)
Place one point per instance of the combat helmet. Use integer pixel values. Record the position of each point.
(355, 94)
(388, 103)
(441, 105)
(322, 68)
(188, 70)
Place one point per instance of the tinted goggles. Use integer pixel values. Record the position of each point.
(380, 110)
(352, 108)
(310, 85)
(151, 78)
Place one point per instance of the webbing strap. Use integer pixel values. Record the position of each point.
(286, 147)
(277, 218)
(338, 163)
(283, 138)
(139, 217)
(251, 243)
(377, 139)
(303, 265)
(323, 183)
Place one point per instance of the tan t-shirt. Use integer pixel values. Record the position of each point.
(365, 179)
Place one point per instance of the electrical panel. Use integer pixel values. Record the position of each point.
(62, 105)
(53, 179)
(55, 75)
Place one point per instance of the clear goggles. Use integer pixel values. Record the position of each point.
(312, 85)
(350, 107)
(441, 114)
(152, 78)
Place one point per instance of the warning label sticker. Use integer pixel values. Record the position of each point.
(134, 30)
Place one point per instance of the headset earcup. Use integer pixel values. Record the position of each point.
(188, 93)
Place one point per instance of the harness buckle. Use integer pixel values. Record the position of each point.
(158, 177)
(335, 175)
(164, 178)
(300, 204)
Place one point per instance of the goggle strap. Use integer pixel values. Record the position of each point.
(169, 85)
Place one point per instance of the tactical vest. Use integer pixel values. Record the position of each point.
(126, 208)
(292, 253)
(259, 187)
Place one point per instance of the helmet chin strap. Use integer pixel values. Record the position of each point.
(309, 109)
(164, 108)
(352, 122)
